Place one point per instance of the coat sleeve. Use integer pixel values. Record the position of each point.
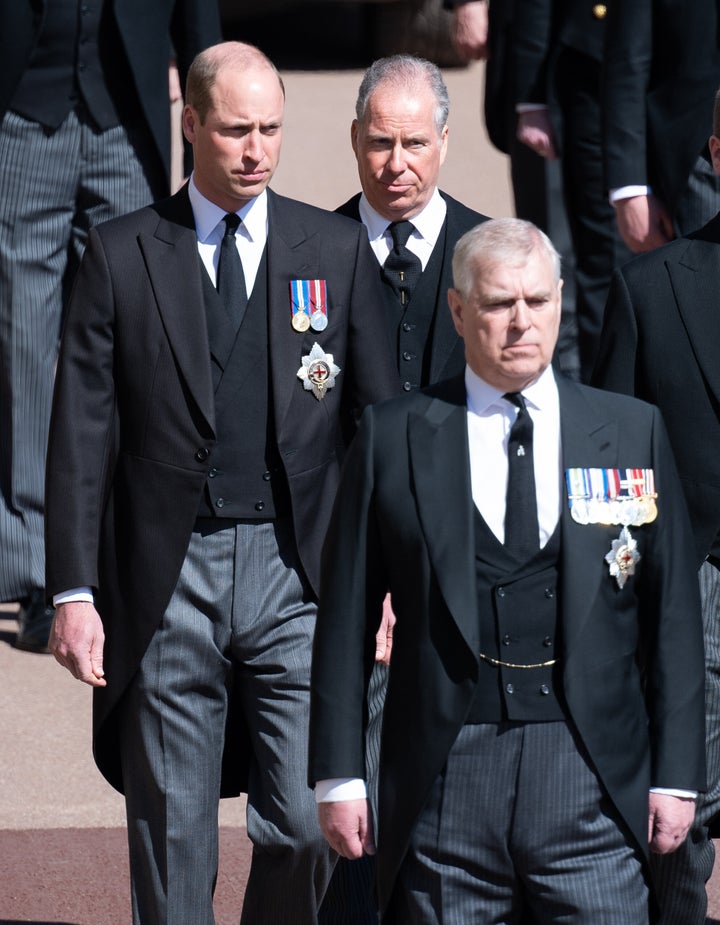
(615, 366)
(627, 68)
(352, 589)
(671, 634)
(81, 451)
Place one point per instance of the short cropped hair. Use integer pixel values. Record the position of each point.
(206, 66)
(406, 71)
(500, 240)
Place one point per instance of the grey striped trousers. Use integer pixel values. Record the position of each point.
(53, 187)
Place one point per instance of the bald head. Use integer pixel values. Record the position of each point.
(232, 56)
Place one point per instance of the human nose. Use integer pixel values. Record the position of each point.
(397, 159)
(520, 315)
(254, 149)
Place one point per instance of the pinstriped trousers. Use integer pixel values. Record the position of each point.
(517, 829)
(680, 877)
(53, 187)
(241, 612)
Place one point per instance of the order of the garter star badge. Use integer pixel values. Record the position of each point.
(622, 557)
(318, 372)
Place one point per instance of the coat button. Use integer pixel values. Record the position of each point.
(408, 327)
(509, 689)
(501, 592)
(506, 639)
(549, 592)
(267, 476)
(407, 386)
(260, 506)
(547, 641)
(202, 454)
(212, 473)
(544, 690)
(220, 502)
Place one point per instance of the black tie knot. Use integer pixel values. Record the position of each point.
(517, 399)
(400, 232)
(232, 222)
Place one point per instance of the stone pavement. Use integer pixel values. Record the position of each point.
(62, 842)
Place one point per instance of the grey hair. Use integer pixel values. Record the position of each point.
(500, 240)
(407, 71)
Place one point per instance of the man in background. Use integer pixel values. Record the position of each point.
(85, 136)
(660, 342)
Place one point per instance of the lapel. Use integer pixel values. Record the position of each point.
(588, 440)
(694, 276)
(444, 337)
(293, 252)
(437, 441)
(173, 266)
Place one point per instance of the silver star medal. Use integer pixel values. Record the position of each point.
(622, 557)
(318, 372)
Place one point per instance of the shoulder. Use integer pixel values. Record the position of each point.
(311, 216)
(444, 396)
(351, 208)
(610, 404)
(461, 215)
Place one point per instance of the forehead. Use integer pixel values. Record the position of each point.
(514, 274)
(251, 89)
(401, 107)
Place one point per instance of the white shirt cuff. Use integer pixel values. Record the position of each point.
(530, 107)
(74, 594)
(672, 792)
(627, 192)
(338, 789)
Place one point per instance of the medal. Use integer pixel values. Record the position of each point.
(622, 497)
(300, 321)
(622, 557)
(318, 372)
(308, 303)
(318, 321)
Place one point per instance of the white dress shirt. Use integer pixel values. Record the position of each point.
(427, 224)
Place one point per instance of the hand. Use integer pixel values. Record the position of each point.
(469, 30)
(669, 821)
(643, 222)
(77, 639)
(384, 636)
(347, 827)
(535, 130)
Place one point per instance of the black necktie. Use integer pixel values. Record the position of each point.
(521, 521)
(402, 269)
(230, 276)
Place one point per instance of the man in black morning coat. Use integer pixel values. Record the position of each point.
(191, 473)
(547, 663)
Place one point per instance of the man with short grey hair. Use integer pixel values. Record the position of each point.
(400, 137)
(543, 726)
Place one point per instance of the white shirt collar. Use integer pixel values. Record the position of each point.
(427, 222)
(481, 396)
(208, 215)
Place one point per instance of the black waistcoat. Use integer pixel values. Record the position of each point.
(519, 614)
(78, 59)
(245, 478)
(413, 327)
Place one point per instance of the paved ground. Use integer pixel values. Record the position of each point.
(62, 843)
